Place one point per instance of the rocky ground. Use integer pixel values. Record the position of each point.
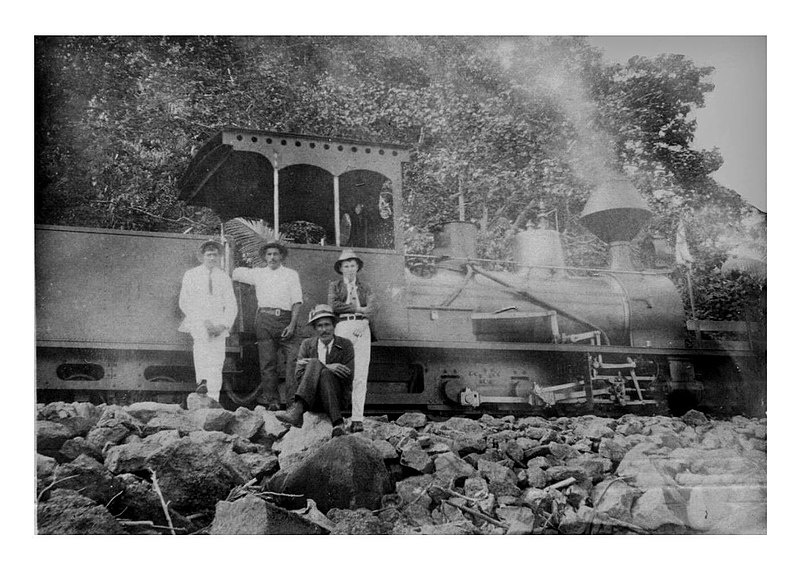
(157, 468)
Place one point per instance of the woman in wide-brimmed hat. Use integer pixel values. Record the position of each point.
(354, 304)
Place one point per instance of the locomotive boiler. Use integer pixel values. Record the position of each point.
(464, 335)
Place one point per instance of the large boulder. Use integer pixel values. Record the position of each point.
(197, 471)
(346, 472)
(67, 512)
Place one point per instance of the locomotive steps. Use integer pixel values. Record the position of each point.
(157, 468)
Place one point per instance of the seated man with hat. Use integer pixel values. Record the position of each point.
(279, 298)
(208, 302)
(324, 373)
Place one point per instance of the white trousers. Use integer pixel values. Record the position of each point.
(209, 357)
(361, 345)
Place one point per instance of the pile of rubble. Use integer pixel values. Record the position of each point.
(158, 468)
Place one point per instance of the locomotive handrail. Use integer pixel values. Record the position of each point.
(662, 272)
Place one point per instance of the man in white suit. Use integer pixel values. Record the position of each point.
(209, 304)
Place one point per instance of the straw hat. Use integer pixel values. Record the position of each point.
(347, 254)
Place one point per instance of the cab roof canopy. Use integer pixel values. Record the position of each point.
(282, 177)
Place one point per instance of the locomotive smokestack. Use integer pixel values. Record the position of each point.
(616, 213)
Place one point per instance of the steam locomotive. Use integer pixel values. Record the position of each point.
(464, 335)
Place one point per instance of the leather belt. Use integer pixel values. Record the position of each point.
(351, 317)
(273, 311)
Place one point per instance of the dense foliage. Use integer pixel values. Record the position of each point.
(500, 128)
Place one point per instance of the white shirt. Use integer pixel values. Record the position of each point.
(199, 304)
(321, 350)
(278, 288)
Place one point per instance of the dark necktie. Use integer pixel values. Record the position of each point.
(210, 285)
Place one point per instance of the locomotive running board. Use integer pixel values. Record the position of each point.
(555, 347)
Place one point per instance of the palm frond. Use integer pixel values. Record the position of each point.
(249, 236)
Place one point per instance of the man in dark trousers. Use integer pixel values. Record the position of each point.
(324, 373)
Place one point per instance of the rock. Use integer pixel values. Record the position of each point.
(519, 519)
(575, 522)
(163, 437)
(536, 433)
(67, 512)
(537, 477)
(476, 487)
(45, 466)
(694, 418)
(652, 512)
(88, 477)
(452, 528)
(212, 419)
(414, 490)
(412, 419)
(50, 436)
(139, 501)
(594, 466)
(181, 422)
(272, 430)
(390, 432)
(130, 458)
(245, 424)
(355, 522)
(260, 465)
(594, 428)
(73, 448)
(728, 510)
(416, 458)
(615, 498)
(145, 411)
(494, 472)
(116, 415)
(298, 443)
(195, 401)
(387, 451)
(563, 472)
(194, 475)
(251, 515)
(461, 424)
(449, 467)
(102, 437)
(611, 450)
(628, 425)
(562, 451)
(638, 467)
(447, 513)
(346, 472)
(533, 421)
(541, 462)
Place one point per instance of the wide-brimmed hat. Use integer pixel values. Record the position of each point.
(212, 243)
(273, 244)
(320, 311)
(347, 254)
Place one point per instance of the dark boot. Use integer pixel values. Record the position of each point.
(294, 416)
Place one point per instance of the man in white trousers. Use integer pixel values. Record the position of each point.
(209, 305)
(354, 303)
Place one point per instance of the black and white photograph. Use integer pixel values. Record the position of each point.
(400, 285)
